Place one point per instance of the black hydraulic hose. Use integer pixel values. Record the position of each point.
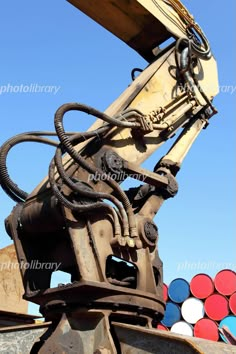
(65, 141)
(134, 71)
(132, 115)
(86, 193)
(80, 137)
(184, 67)
(131, 110)
(19, 195)
(75, 207)
(201, 53)
(94, 112)
(188, 74)
(77, 138)
(184, 42)
(7, 184)
(11, 188)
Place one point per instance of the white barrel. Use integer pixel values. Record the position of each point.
(182, 327)
(192, 310)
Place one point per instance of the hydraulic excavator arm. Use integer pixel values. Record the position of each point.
(80, 217)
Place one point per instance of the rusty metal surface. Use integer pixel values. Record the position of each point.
(11, 287)
(86, 333)
(20, 339)
(91, 333)
(129, 21)
(15, 318)
(136, 340)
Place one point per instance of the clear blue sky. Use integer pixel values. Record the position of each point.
(52, 43)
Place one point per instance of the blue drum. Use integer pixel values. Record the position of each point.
(179, 290)
(230, 323)
(172, 314)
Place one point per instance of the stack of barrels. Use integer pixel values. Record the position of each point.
(203, 306)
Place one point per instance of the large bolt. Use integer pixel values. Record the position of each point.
(151, 231)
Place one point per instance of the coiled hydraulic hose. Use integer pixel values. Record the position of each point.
(13, 191)
(201, 49)
(78, 207)
(127, 114)
(66, 143)
(86, 193)
(186, 70)
(11, 188)
(126, 119)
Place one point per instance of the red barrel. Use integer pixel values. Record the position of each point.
(207, 329)
(162, 327)
(216, 307)
(202, 286)
(225, 282)
(165, 292)
(232, 303)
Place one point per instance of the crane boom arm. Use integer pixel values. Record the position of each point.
(79, 216)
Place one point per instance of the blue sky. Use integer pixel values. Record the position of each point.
(50, 43)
